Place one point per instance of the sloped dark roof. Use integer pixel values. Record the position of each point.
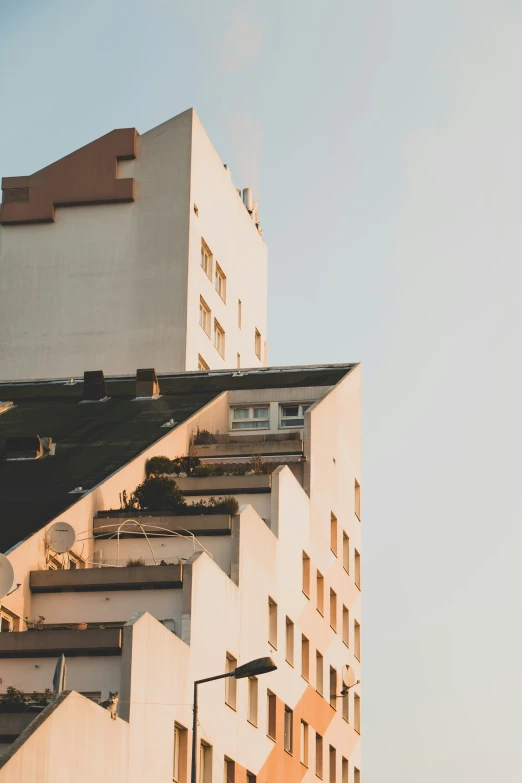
(94, 440)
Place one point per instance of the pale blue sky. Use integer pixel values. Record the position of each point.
(383, 139)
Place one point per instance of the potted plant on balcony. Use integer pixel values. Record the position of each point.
(13, 700)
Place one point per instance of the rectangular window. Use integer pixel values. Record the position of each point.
(320, 593)
(271, 714)
(219, 338)
(230, 771)
(251, 778)
(204, 316)
(332, 763)
(238, 361)
(292, 415)
(289, 641)
(318, 755)
(356, 775)
(272, 623)
(305, 658)
(205, 763)
(289, 727)
(239, 314)
(357, 500)
(357, 713)
(250, 418)
(202, 365)
(333, 533)
(257, 343)
(306, 575)
(346, 707)
(333, 610)
(252, 700)
(346, 626)
(206, 259)
(344, 771)
(303, 746)
(221, 282)
(346, 553)
(357, 640)
(333, 688)
(179, 765)
(230, 682)
(357, 569)
(319, 684)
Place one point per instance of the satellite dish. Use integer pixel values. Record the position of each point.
(61, 537)
(6, 575)
(348, 677)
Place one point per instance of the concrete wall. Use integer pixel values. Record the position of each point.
(84, 674)
(229, 231)
(104, 287)
(76, 741)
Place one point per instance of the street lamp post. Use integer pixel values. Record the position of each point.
(252, 669)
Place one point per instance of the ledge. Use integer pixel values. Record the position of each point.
(229, 485)
(248, 448)
(49, 644)
(80, 580)
(198, 525)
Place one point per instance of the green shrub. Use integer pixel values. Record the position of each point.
(226, 505)
(13, 696)
(158, 493)
(157, 466)
(134, 562)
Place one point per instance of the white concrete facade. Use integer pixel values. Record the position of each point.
(221, 609)
(117, 287)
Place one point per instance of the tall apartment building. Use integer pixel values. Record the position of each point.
(144, 602)
(133, 251)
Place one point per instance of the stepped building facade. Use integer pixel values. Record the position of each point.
(169, 525)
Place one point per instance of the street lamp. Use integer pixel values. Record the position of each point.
(252, 669)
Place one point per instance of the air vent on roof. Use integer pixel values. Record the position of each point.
(94, 386)
(28, 447)
(147, 385)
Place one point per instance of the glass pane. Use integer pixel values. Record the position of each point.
(260, 413)
(290, 410)
(292, 422)
(241, 413)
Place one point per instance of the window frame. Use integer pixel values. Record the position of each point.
(302, 407)
(202, 365)
(219, 338)
(272, 622)
(271, 715)
(303, 743)
(288, 733)
(250, 418)
(231, 682)
(289, 641)
(205, 316)
(253, 701)
(258, 345)
(210, 264)
(221, 276)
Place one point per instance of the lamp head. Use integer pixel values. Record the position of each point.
(255, 668)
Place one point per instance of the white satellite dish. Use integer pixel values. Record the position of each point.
(6, 575)
(61, 537)
(348, 677)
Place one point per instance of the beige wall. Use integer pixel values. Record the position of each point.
(229, 231)
(78, 741)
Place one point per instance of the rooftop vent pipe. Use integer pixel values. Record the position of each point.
(147, 383)
(247, 199)
(94, 386)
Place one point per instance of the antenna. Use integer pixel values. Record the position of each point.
(6, 575)
(61, 537)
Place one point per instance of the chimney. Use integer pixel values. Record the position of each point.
(147, 383)
(94, 386)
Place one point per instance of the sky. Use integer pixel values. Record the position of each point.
(383, 142)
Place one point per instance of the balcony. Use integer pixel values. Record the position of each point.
(225, 485)
(105, 524)
(248, 445)
(48, 644)
(83, 580)
(13, 723)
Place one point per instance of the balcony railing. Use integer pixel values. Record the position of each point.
(47, 644)
(105, 524)
(81, 580)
